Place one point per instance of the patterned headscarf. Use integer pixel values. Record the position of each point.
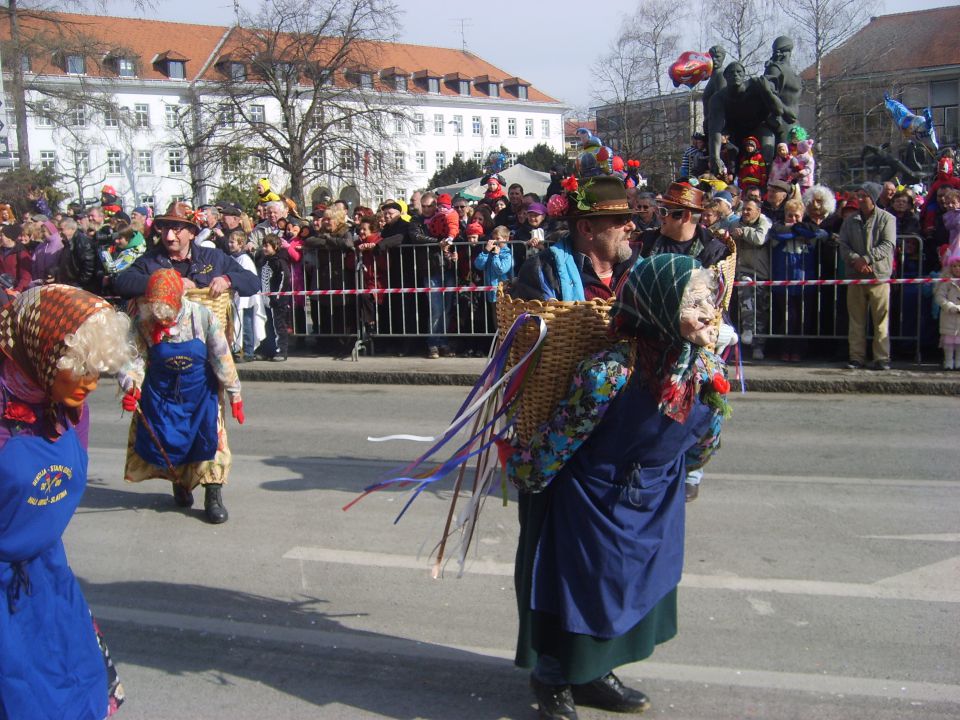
(33, 331)
(648, 307)
(164, 286)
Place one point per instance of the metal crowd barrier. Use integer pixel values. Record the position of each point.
(795, 314)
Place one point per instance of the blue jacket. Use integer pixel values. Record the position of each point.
(205, 265)
(496, 267)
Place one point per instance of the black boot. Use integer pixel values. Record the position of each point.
(181, 496)
(554, 702)
(608, 693)
(213, 506)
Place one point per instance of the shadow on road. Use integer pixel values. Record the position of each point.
(295, 648)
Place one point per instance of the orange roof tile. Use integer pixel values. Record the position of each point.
(911, 40)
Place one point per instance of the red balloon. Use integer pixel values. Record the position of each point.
(690, 68)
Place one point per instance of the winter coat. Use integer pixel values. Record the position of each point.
(753, 252)
(205, 264)
(16, 264)
(753, 171)
(78, 264)
(873, 240)
(496, 267)
(947, 297)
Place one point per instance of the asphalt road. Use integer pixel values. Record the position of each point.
(822, 577)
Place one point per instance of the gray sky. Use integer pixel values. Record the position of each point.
(550, 44)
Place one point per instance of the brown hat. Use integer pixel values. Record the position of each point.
(682, 195)
(602, 195)
(780, 185)
(179, 213)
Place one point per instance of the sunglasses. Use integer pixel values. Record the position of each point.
(459, 207)
(428, 205)
(675, 214)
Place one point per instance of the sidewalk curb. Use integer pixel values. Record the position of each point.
(874, 386)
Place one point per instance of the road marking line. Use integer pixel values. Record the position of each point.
(884, 590)
(941, 537)
(369, 641)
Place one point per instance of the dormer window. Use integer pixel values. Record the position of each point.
(25, 63)
(236, 71)
(365, 80)
(463, 87)
(492, 86)
(400, 83)
(126, 67)
(75, 64)
(172, 64)
(517, 87)
(433, 85)
(522, 92)
(176, 69)
(493, 89)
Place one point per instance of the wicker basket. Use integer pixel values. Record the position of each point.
(221, 306)
(575, 330)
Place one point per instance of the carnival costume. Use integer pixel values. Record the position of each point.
(53, 663)
(178, 432)
(602, 499)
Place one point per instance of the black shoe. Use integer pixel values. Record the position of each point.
(213, 506)
(608, 693)
(554, 702)
(854, 365)
(181, 496)
(691, 491)
(880, 365)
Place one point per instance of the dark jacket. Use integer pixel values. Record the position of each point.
(279, 278)
(78, 264)
(333, 254)
(712, 250)
(204, 265)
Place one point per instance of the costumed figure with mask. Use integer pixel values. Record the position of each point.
(55, 340)
(601, 491)
(179, 431)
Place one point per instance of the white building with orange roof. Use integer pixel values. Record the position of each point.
(136, 79)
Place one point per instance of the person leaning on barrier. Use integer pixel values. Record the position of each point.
(867, 243)
(198, 266)
(753, 263)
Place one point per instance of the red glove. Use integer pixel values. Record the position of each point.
(237, 409)
(130, 399)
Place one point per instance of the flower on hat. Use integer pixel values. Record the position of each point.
(720, 384)
(19, 413)
(558, 205)
(570, 184)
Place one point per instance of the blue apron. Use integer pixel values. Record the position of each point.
(179, 399)
(612, 541)
(51, 666)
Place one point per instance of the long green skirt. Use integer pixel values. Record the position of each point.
(582, 657)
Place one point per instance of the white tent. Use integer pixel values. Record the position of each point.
(531, 180)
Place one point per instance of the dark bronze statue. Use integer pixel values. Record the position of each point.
(785, 84)
(744, 107)
(714, 84)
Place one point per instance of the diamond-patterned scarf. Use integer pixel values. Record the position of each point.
(33, 330)
(648, 307)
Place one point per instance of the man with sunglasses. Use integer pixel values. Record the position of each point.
(682, 234)
(198, 266)
(645, 215)
(592, 257)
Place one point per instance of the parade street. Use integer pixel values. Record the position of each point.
(822, 574)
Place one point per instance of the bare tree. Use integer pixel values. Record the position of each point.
(744, 27)
(653, 32)
(316, 64)
(619, 85)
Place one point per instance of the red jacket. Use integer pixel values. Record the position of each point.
(753, 171)
(444, 224)
(16, 263)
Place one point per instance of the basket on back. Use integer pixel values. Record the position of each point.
(575, 330)
(221, 306)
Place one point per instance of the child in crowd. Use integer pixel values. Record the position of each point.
(947, 297)
(951, 221)
(780, 167)
(275, 277)
(496, 263)
(802, 165)
(249, 331)
(753, 168)
(373, 269)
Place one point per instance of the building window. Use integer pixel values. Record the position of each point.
(148, 201)
(171, 115)
(365, 80)
(512, 127)
(228, 118)
(528, 128)
(377, 197)
(141, 115)
(259, 162)
(48, 159)
(441, 159)
(493, 89)
(81, 162)
(237, 71)
(320, 161)
(418, 126)
(111, 118)
(174, 199)
(258, 114)
(495, 126)
(433, 85)
(477, 125)
(175, 162)
(25, 63)
(176, 69)
(346, 158)
(43, 118)
(464, 87)
(77, 116)
(400, 193)
(421, 160)
(75, 64)
(114, 166)
(545, 128)
(398, 124)
(126, 67)
(478, 156)
(458, 124)
(232, 160)
(438, 124)
(512, 157)
(399, 160)
(145, 161)
(521, 92)
(345, 123)
(400, 83)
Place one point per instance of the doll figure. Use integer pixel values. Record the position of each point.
(802, 165)
(780, 167)
(947, 297)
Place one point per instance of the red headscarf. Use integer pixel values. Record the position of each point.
(164, 286)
